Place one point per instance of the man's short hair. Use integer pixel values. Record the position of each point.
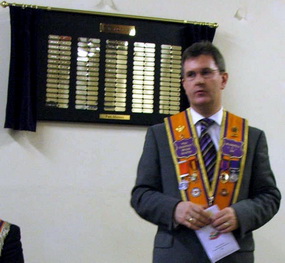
(204, 48)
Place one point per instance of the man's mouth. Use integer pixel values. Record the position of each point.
(200, 92)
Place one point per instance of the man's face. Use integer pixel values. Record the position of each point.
(203, 83)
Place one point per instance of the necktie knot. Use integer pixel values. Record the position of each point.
(206, 123)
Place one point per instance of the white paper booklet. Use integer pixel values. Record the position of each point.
(216, 244)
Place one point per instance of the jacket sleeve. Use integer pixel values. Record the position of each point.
(12, 251)
(148, 196)
(260, 197)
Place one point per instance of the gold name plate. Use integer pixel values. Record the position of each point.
(118, 29)
(115, 117)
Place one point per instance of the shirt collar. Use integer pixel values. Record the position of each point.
(217, 117)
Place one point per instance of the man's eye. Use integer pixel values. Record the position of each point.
(191, 74)
(206, 72)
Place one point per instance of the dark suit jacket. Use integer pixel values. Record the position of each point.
(12, 250)
(156, 195)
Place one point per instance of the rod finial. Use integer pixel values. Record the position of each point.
(4, 4)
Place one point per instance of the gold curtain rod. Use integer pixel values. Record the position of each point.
(6, 4)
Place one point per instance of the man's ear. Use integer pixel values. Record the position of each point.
(225, 77)
(182, 83)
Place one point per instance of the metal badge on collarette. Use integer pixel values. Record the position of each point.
(234, 173)
(183, 185)
(224, 192)
(196, 192)
(234, 131)
(194, 177)
(224, 177)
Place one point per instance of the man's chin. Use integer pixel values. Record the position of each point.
(201, 102)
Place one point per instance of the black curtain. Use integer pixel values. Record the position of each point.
(21, 110)
(28, 25)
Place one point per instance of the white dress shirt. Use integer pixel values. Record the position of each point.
(214, 130)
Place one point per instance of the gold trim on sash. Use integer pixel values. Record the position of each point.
(189, 165)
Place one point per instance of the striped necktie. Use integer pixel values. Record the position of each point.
(208, 149)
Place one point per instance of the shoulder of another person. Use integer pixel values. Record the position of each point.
(14, 228)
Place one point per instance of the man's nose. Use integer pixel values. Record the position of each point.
(199, 78)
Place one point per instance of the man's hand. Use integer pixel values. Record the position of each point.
(225, 220)
(191, 215)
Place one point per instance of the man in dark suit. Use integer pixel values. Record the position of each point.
(176, 182)
(10, 243)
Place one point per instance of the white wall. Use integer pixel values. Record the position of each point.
(68, 185)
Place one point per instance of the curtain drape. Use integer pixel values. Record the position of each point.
(21, 109)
